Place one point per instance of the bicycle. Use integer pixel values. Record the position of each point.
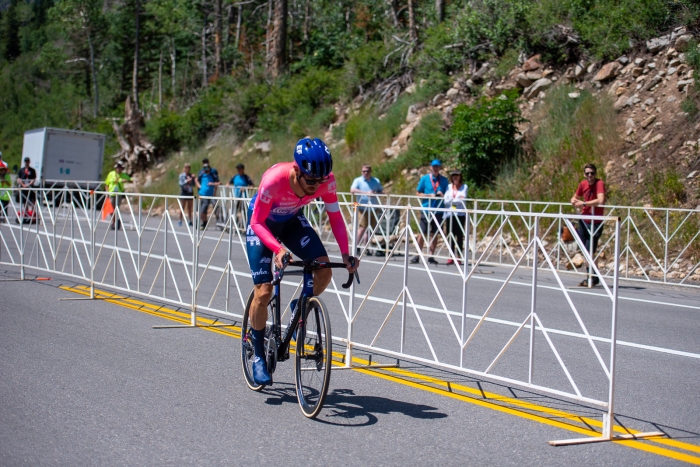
(313, 339)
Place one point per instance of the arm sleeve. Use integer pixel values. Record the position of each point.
(579, 191)
(448, 196)
(337, 222)
(261, 211)
(355, 184)
(420, 187)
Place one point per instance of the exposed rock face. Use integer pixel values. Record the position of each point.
(654, 45)
(682, 42)
(535, 88)
(532, 63)
(608, 71)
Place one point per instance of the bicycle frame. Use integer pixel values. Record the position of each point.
(307, 291)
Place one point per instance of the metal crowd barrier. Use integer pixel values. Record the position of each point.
(409, 311)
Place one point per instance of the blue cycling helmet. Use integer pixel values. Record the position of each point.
(313, 158)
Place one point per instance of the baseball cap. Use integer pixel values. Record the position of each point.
(119, 164)
(455, 172)
(435, 162)
(26, 159)
(240, 166)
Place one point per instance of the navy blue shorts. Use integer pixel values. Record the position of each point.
(296, 234)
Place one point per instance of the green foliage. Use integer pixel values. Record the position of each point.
(484, 136)
(506, 63)
(166, 132)
(572, 132)
(690, 106)
(692, 56)
(666, 189)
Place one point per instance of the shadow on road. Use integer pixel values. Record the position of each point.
(343, 407)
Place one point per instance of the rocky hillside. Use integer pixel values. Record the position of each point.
(648, 87)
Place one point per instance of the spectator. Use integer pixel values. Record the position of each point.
(240, 207)
(589, 194)
(26, 179)
(207, 181)
(432, 185)
(186, 182)
(454, 199)
(1, 161)
(5, 183)
(240, 180)
(367, 187)
(115, 185)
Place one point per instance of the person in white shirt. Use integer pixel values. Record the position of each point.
(366, 187)
(455, 197)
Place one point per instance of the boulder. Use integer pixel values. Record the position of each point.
(534, 75)
(609, 71)
(621, 102)
(405, 134)
(579, 71)
(637, 71)
(648, 121)
(658, 43)
(653, 82)
(532, 63)
(523, 81)
(479, 75)
(538, 86)
(682, 42)
(389, 153)
(452, 92)
(263, 146)
(578, 260)
(685, 82)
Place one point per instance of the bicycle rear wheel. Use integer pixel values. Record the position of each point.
(314, 354)
(247, 353)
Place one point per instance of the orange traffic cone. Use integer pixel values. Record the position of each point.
(107, 208)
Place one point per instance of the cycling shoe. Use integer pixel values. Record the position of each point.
(260, 374)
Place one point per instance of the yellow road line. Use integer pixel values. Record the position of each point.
(517, 407)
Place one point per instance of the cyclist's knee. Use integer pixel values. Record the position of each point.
(263, 292)
(322, 277)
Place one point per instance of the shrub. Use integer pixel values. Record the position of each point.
(484, 136)
(690, 107)
(165, 132)
(666, 189)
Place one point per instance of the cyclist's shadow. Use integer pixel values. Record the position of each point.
(343, 407)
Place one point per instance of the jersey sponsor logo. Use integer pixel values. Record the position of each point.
(304, 222)
(285, 210)
(328, 151)
(260, 272)
(310, 283)
(265, 260)
(332, 187)
(265, 197)
(305, 241)
(299, 149)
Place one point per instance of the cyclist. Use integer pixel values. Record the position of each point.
(275, 215)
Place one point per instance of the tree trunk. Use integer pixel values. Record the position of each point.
(204, 54)
(172, 66)
(279, 52)
(218, 63)
(307, 19)
(94, 76)
(135, 76)
(440, 10)
(239, 22)
(413, 31)
(160, 81)
(393, 5)
(268, 36)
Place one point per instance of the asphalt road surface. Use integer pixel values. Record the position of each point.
(92, 383)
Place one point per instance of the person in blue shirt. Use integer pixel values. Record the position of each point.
(241, 179)
(240, 207)
(207, 181)
(366, 187)
(432, 188)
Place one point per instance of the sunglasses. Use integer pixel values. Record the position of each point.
(366, 171)
(589, 173)
(314, 181)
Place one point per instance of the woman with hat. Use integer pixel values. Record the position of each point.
(455, 197)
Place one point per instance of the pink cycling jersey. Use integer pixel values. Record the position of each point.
(277, 202)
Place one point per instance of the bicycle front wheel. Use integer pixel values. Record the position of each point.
(314, 354)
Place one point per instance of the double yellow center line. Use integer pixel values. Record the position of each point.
(520, 408)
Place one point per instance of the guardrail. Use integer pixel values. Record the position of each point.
(403, 310)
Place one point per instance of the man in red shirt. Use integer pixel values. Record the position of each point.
(589, 199)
